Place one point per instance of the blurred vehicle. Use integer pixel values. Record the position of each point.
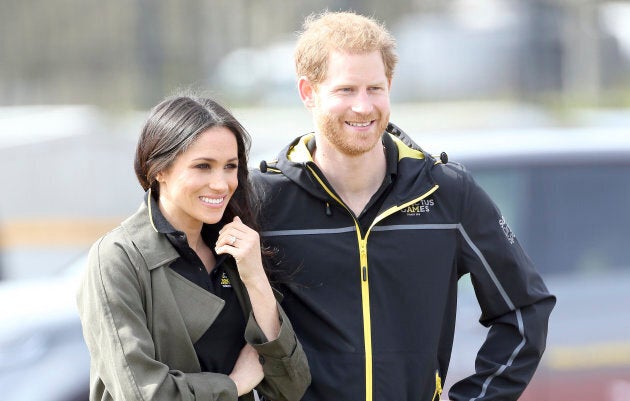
(42, 353)
(566, 195)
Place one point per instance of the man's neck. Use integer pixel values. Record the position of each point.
(354, 178)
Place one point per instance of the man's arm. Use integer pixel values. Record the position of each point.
(514, 301)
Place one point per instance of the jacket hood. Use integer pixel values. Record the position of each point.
(297, 152)
(296, 163)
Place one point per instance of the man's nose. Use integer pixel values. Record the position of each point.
(362, 103)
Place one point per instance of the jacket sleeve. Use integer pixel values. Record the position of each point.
(112, 306)
(284, 362)
(515, 303)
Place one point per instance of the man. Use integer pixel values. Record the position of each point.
(372, 234)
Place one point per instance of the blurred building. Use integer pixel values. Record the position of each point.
(539, 51)
(66, 180)
(129, 54)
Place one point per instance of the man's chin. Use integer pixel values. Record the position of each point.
(360, 146)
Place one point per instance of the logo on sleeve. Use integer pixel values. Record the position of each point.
(418, 208)
(507, 231)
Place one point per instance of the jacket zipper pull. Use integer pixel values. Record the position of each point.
(438, 386)
(328, 210)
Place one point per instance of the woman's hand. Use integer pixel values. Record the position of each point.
(248, 371)
(243, 243)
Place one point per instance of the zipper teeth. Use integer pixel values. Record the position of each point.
(331, 193)
(365, 289)
(438, 386)
(394, 209)
(367, 318)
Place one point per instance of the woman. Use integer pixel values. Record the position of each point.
(175, 303)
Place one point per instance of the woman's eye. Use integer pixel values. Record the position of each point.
(203, 166)
(231, 166)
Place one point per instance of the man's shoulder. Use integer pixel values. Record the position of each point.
(268, 181)
(267, 173)
(451, 177)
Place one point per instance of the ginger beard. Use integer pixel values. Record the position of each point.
(349, 140)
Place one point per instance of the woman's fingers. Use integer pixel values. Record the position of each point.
(243, 243)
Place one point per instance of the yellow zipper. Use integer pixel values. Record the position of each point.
(367, 321)
(365, 287)
(438, 387)
(395, 209)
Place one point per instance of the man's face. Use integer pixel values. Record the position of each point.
(351, 106)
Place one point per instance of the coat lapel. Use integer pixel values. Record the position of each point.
(198, 307)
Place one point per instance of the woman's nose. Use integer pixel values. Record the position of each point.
(218, 182)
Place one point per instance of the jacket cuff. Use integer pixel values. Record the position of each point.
(275, 355)
(282, 346)
(212, 386)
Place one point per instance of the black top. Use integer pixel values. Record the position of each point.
(218, 348)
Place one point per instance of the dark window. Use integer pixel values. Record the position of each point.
(569, 218)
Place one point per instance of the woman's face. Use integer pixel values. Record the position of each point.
(197, 187)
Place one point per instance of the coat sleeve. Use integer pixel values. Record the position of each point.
(284, 362)
(111, 303)
(515, 303)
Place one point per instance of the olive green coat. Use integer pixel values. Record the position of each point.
(140, 320)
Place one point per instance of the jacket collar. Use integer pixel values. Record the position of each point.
(158, 221)
(299, 153)
(155, 248)
(300, 150)
(295, 161)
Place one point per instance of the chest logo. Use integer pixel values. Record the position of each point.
(418, 208)
(225, 281)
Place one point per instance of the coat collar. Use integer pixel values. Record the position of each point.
(154, 247)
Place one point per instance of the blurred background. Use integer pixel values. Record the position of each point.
(77, 79)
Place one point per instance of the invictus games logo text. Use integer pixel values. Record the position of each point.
(225, 281)
(507, 231)
(423, 206)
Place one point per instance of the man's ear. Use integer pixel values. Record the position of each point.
(307, 92)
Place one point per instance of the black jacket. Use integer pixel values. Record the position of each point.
(375, 309)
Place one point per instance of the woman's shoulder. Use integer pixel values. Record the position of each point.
(120, 246)
(113, 248)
